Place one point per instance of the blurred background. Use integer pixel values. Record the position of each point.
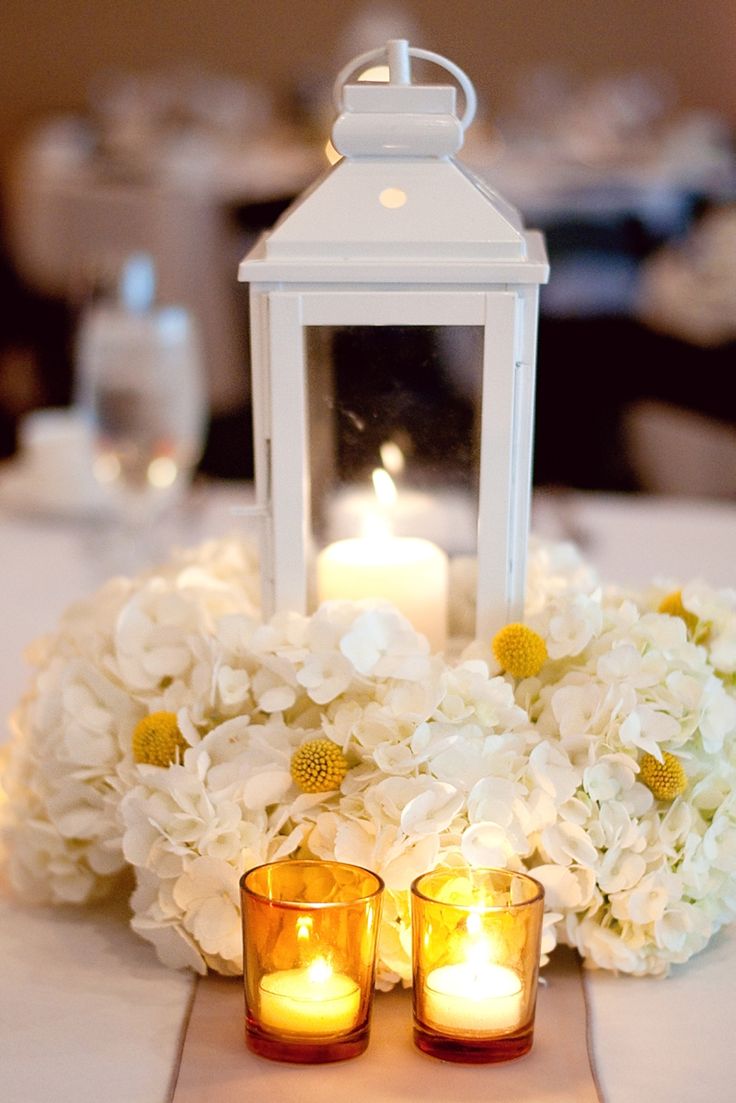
(182, 128)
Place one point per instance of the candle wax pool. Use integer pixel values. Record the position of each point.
(293, 1002)
(465, 999)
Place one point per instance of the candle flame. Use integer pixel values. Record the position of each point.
(304, 927)
(392, 457)
(376, 524)
(473, 924)
(320, 971)
(478, 948)
(384, 486)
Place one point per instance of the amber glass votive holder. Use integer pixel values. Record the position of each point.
(309, 937)
(476, 939)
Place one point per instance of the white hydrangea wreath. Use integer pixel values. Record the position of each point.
(608, 773)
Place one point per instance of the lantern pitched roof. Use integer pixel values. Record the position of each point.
(442, 212)
(450, 228)
(398, 207)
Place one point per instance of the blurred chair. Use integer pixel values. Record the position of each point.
(680, 452)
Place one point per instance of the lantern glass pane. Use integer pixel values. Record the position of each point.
(394, 434)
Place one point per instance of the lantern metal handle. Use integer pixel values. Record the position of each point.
(398, 51)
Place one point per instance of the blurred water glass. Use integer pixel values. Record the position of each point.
(140, 382)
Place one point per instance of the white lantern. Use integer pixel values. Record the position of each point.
(398, 233)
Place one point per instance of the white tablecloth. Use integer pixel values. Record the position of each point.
(667, 1041)
(632, 539)
(88, 1014)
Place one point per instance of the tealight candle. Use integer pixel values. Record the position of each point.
(312, 1001)
(309, 956)
(476, 939)
(468, 999)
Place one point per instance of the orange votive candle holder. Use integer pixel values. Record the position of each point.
(310, 930)
(476, 939)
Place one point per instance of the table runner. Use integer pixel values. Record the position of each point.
(215, 1064)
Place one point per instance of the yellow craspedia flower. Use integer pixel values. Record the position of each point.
(519, 650)
(156, 739)
(672, 605)
(318, 766)
(667, 779)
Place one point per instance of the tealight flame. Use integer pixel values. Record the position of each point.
(473, 924)
(320, 971)
(478, 948)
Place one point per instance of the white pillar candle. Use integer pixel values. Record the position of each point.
(467, 999)
(311, 1001)
(407, 571)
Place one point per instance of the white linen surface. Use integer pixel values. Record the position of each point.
(43, 572)
(87, 1014)
(667, 1040)
(633, 539)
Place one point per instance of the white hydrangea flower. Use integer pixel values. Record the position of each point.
(158, 920)
(382, 643)
(209, 897)
(569, 625)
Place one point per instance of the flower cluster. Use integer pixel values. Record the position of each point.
(643, 704)
(169, 730)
